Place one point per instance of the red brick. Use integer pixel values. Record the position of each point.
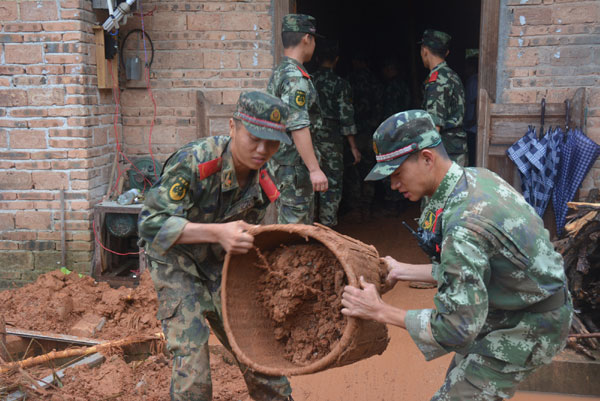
(13, 97)
(33, 165)
(45, 69)
(28, 139)
(8, 245)
(49, 180)
(22, 54)
(27, 113)
(46, 97)
(64, 59)
(7, 221)
(3, 139)
(45, 123)
(56, 154)
(204, 22)
(43, 37)
(179, 60)
(239, 22)
(166, 22)
(36, 195)
(70, 143)
(65, 26)
(11, 70)
(11, 38)
(18, 235)
(33, 220)
(23, 27)
(38, 11)
(577, 13)
(8, 10)
(256, 59)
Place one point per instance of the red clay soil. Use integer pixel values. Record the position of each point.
(67, 304)
(301, 291)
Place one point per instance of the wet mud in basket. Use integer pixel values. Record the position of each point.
(301, 289)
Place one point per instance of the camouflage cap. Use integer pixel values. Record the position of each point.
(263, 115)
(437, 40)
(398, 137)
(300, 23)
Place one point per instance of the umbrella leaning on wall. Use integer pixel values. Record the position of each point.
(537, 161)
(578, 154)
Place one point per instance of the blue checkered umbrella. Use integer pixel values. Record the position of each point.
(578, 155)
(537, 161)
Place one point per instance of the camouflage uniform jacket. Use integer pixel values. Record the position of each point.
(496, 259)
(199, 185)
(367, 95)
(444, 100)
(292, 84)
(337, 111)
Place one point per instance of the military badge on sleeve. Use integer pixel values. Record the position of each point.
(300, 98)
(178, 189)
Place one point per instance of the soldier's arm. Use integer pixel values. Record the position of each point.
(461, 304)
(294, 93)
(435, 103)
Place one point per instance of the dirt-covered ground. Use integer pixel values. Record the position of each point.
(67, 304)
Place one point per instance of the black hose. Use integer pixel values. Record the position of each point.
(123, 47)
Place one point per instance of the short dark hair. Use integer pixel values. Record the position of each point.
(292, 39)
(327, 53)
(441, 53)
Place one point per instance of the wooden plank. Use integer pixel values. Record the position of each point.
(38, 335)
(483, 128)
(488, 46)
(102, 71)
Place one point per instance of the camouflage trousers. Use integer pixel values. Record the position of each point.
(187, 306)
(357, 193)
(328, 202)
(480, 378)
(296, 203)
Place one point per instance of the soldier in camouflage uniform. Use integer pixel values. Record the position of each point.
(502, 304)
(444, 97)
(209, 193)
(337, 112)
(367, 93)
(296, 166)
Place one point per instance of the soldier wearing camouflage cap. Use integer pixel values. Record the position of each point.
(502, 303)
(296, 166)
(210, 192)
(337, 111)
(444, 95)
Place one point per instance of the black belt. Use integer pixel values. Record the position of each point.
(551, 303)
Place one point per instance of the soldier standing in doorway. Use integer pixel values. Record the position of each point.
(337, 111)
(367, 93)
(296, 166)
(444, 97)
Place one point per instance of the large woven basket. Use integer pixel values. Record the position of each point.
(250, 331)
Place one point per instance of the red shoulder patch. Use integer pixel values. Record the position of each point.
(268, 186)
(433, 77)
(304, 73)
(208, 168)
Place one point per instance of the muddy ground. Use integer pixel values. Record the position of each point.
(70, 305)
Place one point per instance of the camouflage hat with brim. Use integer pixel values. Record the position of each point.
(263, 115)
(398, 137)
(300, 23)
(437, 40)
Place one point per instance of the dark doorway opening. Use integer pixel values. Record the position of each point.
(383, 28)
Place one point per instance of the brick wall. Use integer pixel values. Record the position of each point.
(218, 47)
(54, 134)
(552, 48)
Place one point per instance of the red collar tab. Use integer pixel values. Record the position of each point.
(208, 168)
(433, 77)
(304, 73)
(437, 214)
(268, 186)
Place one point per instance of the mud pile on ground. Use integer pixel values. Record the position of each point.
(79, 306)
(301, 291)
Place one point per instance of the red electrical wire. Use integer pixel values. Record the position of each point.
(110, 250)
